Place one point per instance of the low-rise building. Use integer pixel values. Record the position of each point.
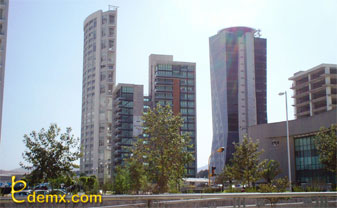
(305, 164)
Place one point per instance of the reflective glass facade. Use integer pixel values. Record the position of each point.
(308, 167)
(123, 128)
(238, 87)
(128, 107)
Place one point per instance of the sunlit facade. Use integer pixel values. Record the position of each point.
(99, 79)
(315, 90)
(174, 83)
(238, 87)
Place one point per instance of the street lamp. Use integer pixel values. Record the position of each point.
(288, 143)
(221, 149)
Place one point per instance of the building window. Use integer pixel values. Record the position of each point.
(102, 89)
(110, 89)
(307, 164)
(111, 31)
(104, 20)
(127, 89)
(111, 43)
(111, 19)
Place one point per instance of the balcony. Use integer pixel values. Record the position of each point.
(116, 139)
(316, 89)
(118, 122)
(118, 160)
(319, 109)
(299, 95)
(118, 115)
(317, 99)
(298, 86)
(117, 102)
(117, 132)
(302, 104)
(303, 114)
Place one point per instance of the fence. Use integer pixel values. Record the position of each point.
(261, 200)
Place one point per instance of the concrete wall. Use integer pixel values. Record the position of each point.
(273, 137)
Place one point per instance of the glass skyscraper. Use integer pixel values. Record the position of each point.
(238, 86)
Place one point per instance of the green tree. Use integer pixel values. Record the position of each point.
(164, 152)
(138, 179)
(245, 162)
(107, 186)
(89, 184)
(326, 144)
(270, 170)
(50, 154)
(226, 176)
(202, 174)
(276, 185)
(65, 180)
(121, 182)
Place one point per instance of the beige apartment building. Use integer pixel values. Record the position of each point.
(3, 43)
(99, 79)
(315, 90)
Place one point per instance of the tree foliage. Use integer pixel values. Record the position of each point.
(138, 178)
(326, 144)
(121, 183)
(89, 184)
(62, 181)
(164, 151)
(202, 174)
(246, 166)
(270, 170)
(50, 154)
(226, 176)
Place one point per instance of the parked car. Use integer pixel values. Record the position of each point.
(41, 192)
(57, 192)
(23, 193)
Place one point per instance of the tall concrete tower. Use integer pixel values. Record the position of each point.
(238, 85)
(99, 78)
(3, 43)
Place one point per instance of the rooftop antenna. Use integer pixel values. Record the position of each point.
(112, 7)
(258, 33)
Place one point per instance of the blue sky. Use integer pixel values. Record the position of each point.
(45, 42)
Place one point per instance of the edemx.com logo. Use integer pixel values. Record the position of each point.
(52, 198)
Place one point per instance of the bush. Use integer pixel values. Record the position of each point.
(251, 190)
(232, 190)
(211, 190)
(298, 189)
(267, 188)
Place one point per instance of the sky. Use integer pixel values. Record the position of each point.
(43, 78)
